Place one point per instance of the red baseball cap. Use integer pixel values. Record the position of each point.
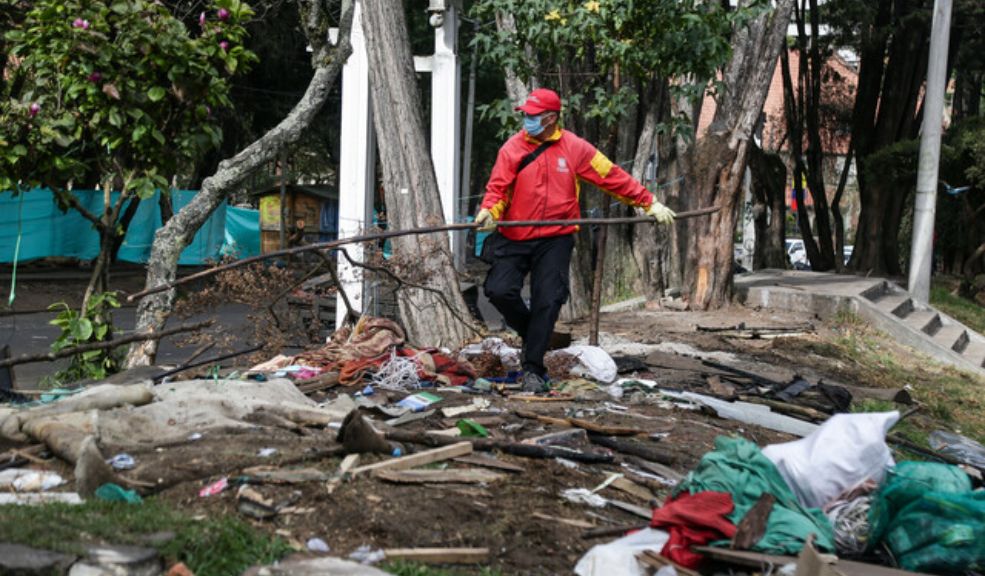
(541, 100)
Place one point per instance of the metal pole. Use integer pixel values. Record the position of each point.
(925, 205)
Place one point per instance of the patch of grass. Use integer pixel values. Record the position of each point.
(951, 398)
(968, 312)
(405, 568)
(214, 546)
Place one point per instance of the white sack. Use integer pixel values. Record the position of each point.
(593, 363)
(618, 558)
(845, 451)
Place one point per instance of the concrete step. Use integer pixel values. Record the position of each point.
(953, 336)
(926, 321)
(898, 304)
(975, 352)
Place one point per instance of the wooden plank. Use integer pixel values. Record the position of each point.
(631, 508)
(757, 560)
(629, 487)
(568, 521)
(488, 462)
(451, 476)
(419, 459)
(753, 525)
(348, 463)
(439, 555)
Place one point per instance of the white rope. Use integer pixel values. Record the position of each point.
(398, 373)
(850, 520)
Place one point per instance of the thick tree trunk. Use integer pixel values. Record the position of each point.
(650, 244)
(437, 316)
(720, 159)
(769, 181)
(891, 72)
(177, 234)
(515, 88)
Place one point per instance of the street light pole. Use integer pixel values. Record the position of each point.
(924, 208)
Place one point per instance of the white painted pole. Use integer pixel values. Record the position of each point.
(445, 122)
(922, 247)
(357, 174)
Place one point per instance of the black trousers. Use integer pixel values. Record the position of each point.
(547, 261)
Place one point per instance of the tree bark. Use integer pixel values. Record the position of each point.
(410, 186)
(720, 158)
(769, 182)
(177, 234)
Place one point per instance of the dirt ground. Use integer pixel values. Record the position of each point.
(523, 520)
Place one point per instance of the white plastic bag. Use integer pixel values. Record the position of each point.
(593, 363)
(845, 451)
(618, 558)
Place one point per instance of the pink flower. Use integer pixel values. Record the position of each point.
(80, 23)
(201, 19)
(224, 45)
(95, 77)
(34, 109)
(223, 14)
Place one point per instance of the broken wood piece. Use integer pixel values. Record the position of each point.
(487, 421)
(653, 559)
(348, 463)
(629, 487)
(418, 459)
(321, 382)
(489, 462)
(753, 525)
(579, 423)
(631, 508)
(811, 563)
(632, 448)
(657, 469)
(569, 438)
(609, 531)
(789, 409)
(271, 475)
(559, 398)
(439, 555)
(476, 405)
(449, 476)
(489, 444)
(568, 521)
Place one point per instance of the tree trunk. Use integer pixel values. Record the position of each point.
(515, 88)
(177, 234)
(719, 161)
(649, 244)
(892, 66)
(769, 183)
(437, 316)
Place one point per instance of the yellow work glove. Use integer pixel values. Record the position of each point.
(485, 220)
(660, 213)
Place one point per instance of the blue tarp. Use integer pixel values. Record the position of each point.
(46, 231)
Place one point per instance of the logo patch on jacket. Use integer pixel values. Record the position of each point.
(562, 165)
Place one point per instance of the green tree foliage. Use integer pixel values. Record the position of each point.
(578, 47)
(123, 90)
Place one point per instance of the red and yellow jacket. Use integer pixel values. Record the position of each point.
(548, 188)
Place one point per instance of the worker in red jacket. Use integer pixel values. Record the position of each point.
(537, 177)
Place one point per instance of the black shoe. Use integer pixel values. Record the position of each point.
(533, 382)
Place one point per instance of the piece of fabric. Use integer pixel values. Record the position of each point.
(737, 467)
(693, 520)
(547, 260)
(618, 558)
(548, 189)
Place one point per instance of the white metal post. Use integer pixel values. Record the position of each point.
(356, 165)
(925, 205)
(445, 122)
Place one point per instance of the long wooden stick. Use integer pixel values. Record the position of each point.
(136, 337)
(410, 232)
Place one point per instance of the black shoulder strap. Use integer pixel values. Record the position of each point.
(529, 158)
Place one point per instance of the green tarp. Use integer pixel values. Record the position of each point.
(738, 467)
(46, 231)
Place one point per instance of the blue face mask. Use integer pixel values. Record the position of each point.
(532, 125)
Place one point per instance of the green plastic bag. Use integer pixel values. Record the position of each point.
(115, 493)
(929, 519)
